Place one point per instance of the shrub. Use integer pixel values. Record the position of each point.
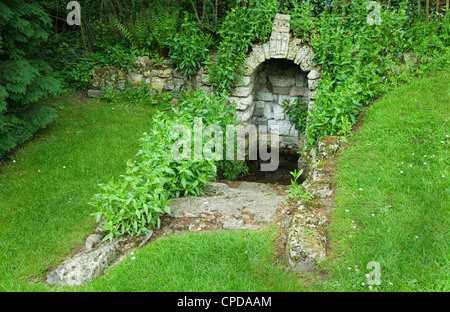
(24, 76)
(135, 201)
(355, 56)
(189, 48)
(241, 27)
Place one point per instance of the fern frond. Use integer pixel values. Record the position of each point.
(163, 22)
(124, 29)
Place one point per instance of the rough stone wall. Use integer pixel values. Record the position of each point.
(162, 77)
(277, 81)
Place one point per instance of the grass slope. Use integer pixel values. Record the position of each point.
(393, 194)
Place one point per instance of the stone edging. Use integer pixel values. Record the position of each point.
(307, 238)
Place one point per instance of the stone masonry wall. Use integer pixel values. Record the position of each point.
(163, 77)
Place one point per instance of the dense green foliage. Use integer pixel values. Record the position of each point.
(358, 58)
(25, 77)
(189, 48)
(241, 27)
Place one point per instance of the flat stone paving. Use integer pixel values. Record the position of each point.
(234, 206)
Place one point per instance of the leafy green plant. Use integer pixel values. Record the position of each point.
(297, 112)
(157, 60)
(136, 31)
(134, 202)
(356, 58)
(163, 22)
(242, 26)
(296, 189)
(302, 19)
(149, 29)
(189, 48)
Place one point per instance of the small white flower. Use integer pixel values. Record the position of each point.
(443, 176)
(442, 141)
(349, 236)
(370, 287)
(132, 258)
(410, 165)
(367, 275)
(402, 162)
(373, 215)
(346, 210)
(14, 161)
(64, 167)
(39, 170)
(131, 253)
(425, 163)
(401, 171)
(412, 154)
(360, 189)
(447, 135)
(356, 270)
(349, 268)
(425, 156)
(416, 236)
(364, 284)
(391, 284)
(353, 221)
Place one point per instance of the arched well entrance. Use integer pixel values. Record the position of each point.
(278, 70)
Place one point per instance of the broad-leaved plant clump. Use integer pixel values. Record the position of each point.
(134, 202)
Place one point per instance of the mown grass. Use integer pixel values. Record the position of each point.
(393, 194)
(218, 261)
(46, 184)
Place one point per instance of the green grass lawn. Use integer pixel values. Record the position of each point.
(391, 206)
(237, 261)
(392, 201)
(47, 183)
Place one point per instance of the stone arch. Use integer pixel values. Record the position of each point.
(281, 47)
